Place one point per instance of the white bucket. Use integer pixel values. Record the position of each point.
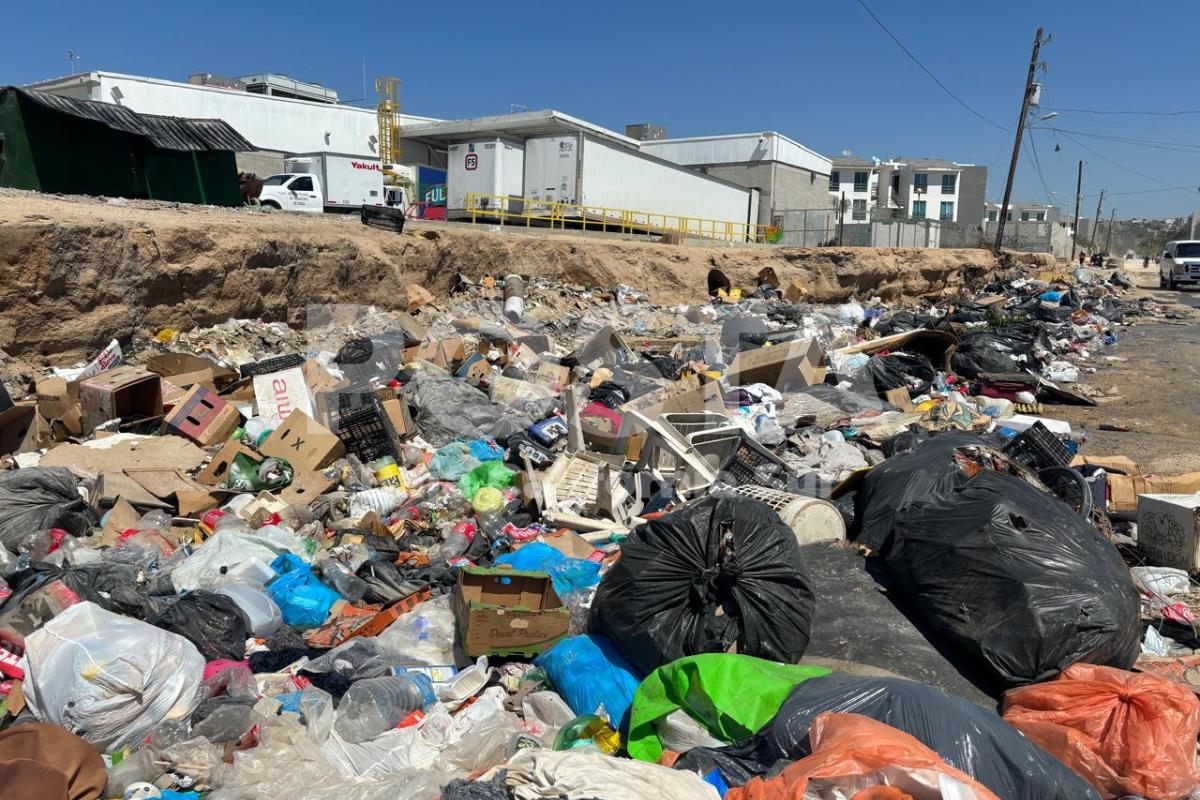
(812, 520)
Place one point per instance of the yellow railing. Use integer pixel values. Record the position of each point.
(530, 211)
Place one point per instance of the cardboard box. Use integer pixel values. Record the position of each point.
(185, 370)
(217, 471)
(507, 612)
(793, 364)
(19, 429)
(1168, 532)
(126, 393)
(203, 417)
(447, 353)
(399, 417)
(303, 442)
(1126, 483)
(278, 394)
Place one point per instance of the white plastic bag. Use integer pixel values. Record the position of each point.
(110, 679)
(424, 635)
(1162, 581)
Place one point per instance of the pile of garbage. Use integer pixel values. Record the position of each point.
(542, 540)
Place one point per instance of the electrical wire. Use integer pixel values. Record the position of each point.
(1157, 144)
(927, 71)
(1119, 165)
(1135, 113)
(1031, 150)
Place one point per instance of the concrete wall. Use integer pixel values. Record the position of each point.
(782, 187)
(260, 162)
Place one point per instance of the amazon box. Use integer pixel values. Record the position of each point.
(303, 442)
(126, 393)
(500, 612)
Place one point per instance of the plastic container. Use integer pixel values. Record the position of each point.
(1038, 448)
(488, 502)
(338, 577)
(514, 298)
(588, 730)
(263, 616)
(374, 706)
(387, 472)
(812, 520)
(382, 501)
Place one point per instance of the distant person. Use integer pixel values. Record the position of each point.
(1145, 262)
(1082, 257)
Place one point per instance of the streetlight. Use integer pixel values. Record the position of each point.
(1045, 117)
(72, 58)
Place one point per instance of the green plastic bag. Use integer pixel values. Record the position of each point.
(248, 475)
(731, 695)
(489, 473)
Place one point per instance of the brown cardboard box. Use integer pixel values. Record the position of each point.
(56, 396)
(303, 442)
(793, 364)
(217, 471)
(203, 417)
(507, 612)
(126, 392)
(447, 353)
(19, 428)
(1124, 489)
(184, 370)
(398, 415)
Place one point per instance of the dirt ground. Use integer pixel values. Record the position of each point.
(1152, 376)
(75, 272)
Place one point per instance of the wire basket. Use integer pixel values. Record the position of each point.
(1038, 449)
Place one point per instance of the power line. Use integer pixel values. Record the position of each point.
(1158, 144)
(1136, 113)
(1031, 150)
(926, 70)
(1117, 164)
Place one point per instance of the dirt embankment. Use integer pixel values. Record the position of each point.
(76, 272)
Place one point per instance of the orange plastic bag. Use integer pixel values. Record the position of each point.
(1124, 732)
(864, 759)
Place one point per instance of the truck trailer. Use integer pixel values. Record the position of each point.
(585, 170)
(492, 168)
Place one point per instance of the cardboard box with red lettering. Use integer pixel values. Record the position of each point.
(278, 394)
(203, 417)
(303, 442)
(507, 612)
(125, 393)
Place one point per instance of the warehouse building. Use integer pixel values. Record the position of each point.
(50, 143)
(279, 115)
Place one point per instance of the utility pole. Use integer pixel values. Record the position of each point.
(1012, 167)
(1096, 221)
(1078, 197)
(1108, 236)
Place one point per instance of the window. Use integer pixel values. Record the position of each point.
(835, 181)
(947, 212)
(860, 210)
(920, 181)
(992, 215)
(301, 184)
(1024, 216)
(919, 209)
(277, 180)
(948, 182)
(1008, 216)
(860, 181)
(1187, 250)
(1041, 216)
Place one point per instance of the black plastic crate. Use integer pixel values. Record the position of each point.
(269, 365)
(753, 464)
(365, 431)
(1038, 449)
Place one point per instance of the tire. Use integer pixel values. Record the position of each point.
(1162, 282)
(270, 204)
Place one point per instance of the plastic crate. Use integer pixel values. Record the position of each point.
(365, 431)
(269, 365)
(752, 463)
(1038, 449)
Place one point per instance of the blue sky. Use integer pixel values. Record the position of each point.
(820, 72)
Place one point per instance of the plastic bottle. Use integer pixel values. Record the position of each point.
(588, 730)
(256, 605)
(457, 541)
(374, 706)
(382, 501)
(387, 472)
(337, 577)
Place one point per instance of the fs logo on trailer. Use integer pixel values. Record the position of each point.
(471, 162)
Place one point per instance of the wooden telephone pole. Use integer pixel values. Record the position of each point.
(1078, 198)
(1108, 236)
(1012, 167)
(1096, 222)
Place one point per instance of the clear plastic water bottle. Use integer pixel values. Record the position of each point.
(338, 577)
(376, 705)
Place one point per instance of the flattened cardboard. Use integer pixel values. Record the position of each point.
(507, 612)
(303, 442)
(125, 393)
(56, 396)
(121, 518)
(306, 486)
(185, 370)
(203, 417)
(126, 452)
(278, 394)
(900, 398)
(794, 364)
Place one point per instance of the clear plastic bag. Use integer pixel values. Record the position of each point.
(424, 635)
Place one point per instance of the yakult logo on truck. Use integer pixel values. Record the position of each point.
(367, 166)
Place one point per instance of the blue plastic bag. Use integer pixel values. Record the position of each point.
(304, 600)
(589, 672)
(569, 575)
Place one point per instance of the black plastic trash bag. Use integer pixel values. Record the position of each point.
(722, 571)
(212, 622)
(448, 408)
(1015, 577)
(923, 472)
(994, 350)
(39, 498)
(899, 370)
(970, 738)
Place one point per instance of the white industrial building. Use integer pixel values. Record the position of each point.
(276, 125)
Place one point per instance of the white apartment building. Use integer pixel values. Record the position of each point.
(1023, 212)
(918, 188)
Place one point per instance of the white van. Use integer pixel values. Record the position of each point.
(1179, 264)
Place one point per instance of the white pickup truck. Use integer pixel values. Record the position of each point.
(317, 182)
